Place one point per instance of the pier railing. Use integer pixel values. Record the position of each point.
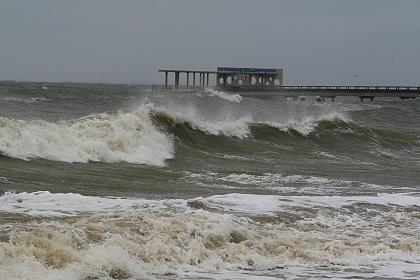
(320, 88)
(370, 92)
(293, 88)
(177, 88)
(363, 92)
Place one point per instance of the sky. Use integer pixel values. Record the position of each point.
(364, 42)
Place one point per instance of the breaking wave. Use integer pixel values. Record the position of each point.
(242, 127)
(144, 134)
(236, 98)
(327, 125)
(126, 136)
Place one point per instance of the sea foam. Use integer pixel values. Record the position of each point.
(142, 244)
(44, 203)
(270, 204)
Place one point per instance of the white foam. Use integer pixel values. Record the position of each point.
(233, 157)
(228, 125)
(388, 270)
(172, 238)
(44, 203)
(269, 204)
(25, 100)
(398, 270)
(237, 275)
(126, 136)
(238, 120)
(273, 179)
(239, 126)
(328, 155)
(236, 98)
(232, 128)
(306, 125)
(380, 270)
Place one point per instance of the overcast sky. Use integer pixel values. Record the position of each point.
(316, 42)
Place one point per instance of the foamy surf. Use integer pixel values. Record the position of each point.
(291, 184)
(227, 188)
(152, 239)
(272, 204)
(125, 136)
(45, 203)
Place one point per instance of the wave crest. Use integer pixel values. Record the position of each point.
(308, 125)
(126, 136)
(236, 98)
(242, 127)
(229, 127)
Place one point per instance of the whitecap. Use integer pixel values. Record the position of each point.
(125, 136)
(236, 98)
(306, 125)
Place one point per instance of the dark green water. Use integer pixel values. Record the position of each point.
(118, 181)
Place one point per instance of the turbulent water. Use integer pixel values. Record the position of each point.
(121, 182)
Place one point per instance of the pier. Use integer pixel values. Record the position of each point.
(328, 92)
(266, 82)
(191, 81)
(229, 77)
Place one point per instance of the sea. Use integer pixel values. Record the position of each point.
(118, 181)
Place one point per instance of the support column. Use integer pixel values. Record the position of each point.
(193, 78)
(208, 74)
(201, 79)
(176, 79)
(188, 79)
(258, 80)
(166, 79)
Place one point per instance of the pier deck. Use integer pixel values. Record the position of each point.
(368, 92)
